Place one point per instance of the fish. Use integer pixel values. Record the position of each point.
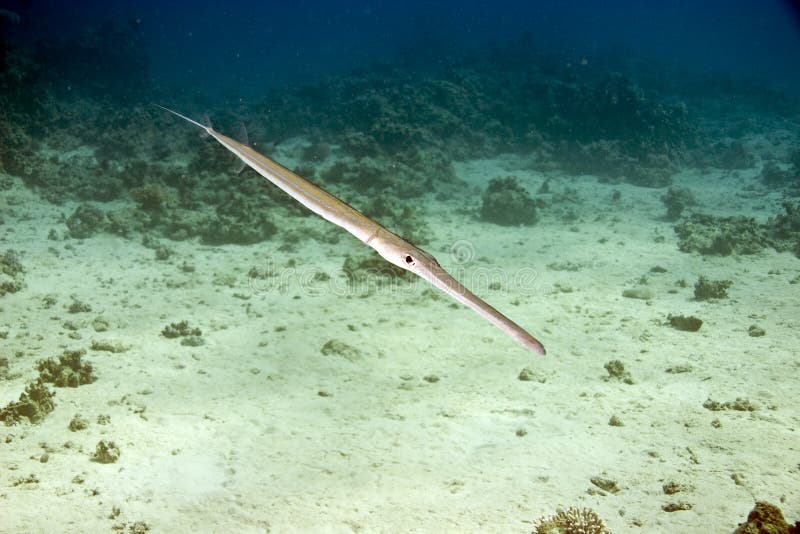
(390, 246)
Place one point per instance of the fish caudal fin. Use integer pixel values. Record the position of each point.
(184, 117)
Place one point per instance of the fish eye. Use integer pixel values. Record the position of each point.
(409, 259)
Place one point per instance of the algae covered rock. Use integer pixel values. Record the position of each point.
(190, 337)
(78, 423)
(720, 236)
(773, 175)
(685, 323)
(612, 161)
(106, 452)
(68, 371)
(756, 331)
(677, 199)
(402, 218)
(150, 197)
(372, 268)
(641, 293)
(34, 404)
(11, 273)
(180, 329)
(335, 347)
(237, 221)
(85, 221)
(616, 371)
(507, 203)
(784, 229)
(730, 155)
(766, 518)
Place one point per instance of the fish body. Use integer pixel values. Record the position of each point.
(389, 245)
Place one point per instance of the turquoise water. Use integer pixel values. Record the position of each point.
(185, 347)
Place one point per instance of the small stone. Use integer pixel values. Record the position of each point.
(100, 324)
(106, 452)
(671, 488)
(107, 345)
(684, 323)
(616, 371)
(756, 331)
(78, 423)
(78, 307)
(678, 369)
(334, 347)
(638, 293)
(677, 506)
(192, 341)
(605, 484)
(531, 375)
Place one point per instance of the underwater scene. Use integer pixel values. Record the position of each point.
(389, 267)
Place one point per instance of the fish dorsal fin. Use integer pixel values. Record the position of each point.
(245, 140)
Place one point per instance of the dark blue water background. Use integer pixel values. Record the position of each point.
(236, 49)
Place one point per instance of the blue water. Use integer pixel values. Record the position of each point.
(238, 48)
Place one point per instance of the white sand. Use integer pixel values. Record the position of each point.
(233, 436)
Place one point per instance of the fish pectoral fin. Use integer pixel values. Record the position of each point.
(245, 140)
(243, 137)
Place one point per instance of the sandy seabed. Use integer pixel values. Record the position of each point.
(419, 422)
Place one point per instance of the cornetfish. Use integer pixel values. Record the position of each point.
(390, 246)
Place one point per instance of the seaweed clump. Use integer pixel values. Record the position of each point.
(705, 289)
(571, 521)
(507, 203)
